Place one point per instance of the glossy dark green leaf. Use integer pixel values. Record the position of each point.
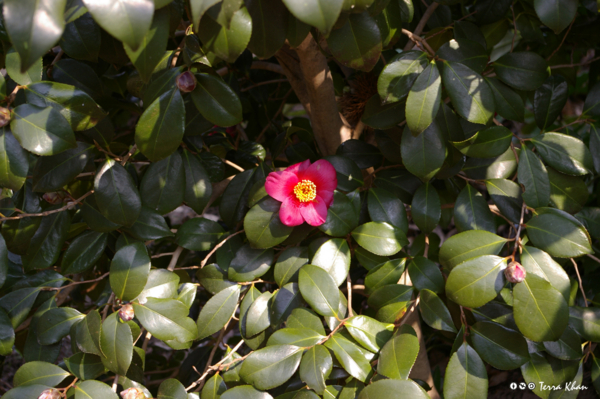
(477, 281)
(87, 333)
(129, 271)
(263, 226)
(116, 194)
(166, 319)
(216, 101)
(78, 74)
(399, 354)
(295, 336)
(126, 20)
(34, 28)
(350, 356)
(435, 313)
(172, 389)
(26, 392)
(487, 143)
(424, 154)
(81, 38)
(94, 219)
(226, 43)
(506, 194)
(322, 14)
(13, 171)
(365, 155)
(539, 369)
(357, 44)
(250, 263)
(567, 347)
(94, 389)
(489, 11)
(257, 316)
(217, 311)
(53, 172)
(426, 208)
(586, 322)
(83, 252)
(425, 274)
(466, 375)
(163, 185)
(389, 294)
(524, 70)
(559, 234)
(386, 273)
(305, 319)
(272, 366)
(43, 373)
(199, 234)
(334, 257)
(465, 51)
(380, 238)
(470, 94)
(368, 332)
(214, 387)
(564, 153)
(471, 211)
(534, 178)
(549, 100)
(499, 346)
(197, 183)
(13, 68)
(405, 389)
(116, 344)
(7, 334)
(556, 14)
(385, 207)
(319, 289)
(18, 304)
(508, 103)
(43, 131)
(152, 47)
(288, 265)
(150, 225)
(269, 20)
(502, 167)
(382, 116)
(423, 101)
(535, 261)
(47, 242)
(342, 217)
(349, 176)
(397, 77)
(284, 301)
(315, 367)
(56, 323)
(567, 193)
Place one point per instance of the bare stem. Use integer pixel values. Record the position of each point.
(70, 205)
(580, 282)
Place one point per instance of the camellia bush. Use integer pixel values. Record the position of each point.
(293, 199)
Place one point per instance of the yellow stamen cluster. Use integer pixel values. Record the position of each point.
(305, 191)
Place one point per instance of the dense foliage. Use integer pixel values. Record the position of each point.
(298, 199)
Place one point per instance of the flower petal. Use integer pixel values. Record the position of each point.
(289, 213)
(326, 196)
(298, 167)
(315, 213)
(280, 185)
(322, 173)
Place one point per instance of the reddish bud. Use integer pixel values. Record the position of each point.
(133, 393)
(126, 313)
(4, 116)
(50, 394)
(186, 82)
(53, 198)
(515, 273)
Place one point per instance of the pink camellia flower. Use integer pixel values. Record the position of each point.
(305, 192)
(515, 273)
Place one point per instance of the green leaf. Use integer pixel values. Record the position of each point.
(47, 242)
(163, 185)
(471, 211)
(368, 332)
(295, 336)
(466, 375)
(166, 319)
(160, 128)
(214, 388)
(534, 178)
(564, 153)
(487, 143)
(127, 20)
(508, 103)
(284, 301)
(250, 263)
(425, 274)
(586, 322)
(319, 289)
(540, 311)
(470, 94)
(40, 373)
(399, 74)
(477, 281)
(538, 369)
(53, 172)
(116, 344)
(567, 193)
(85, 366)
(389, 294)
(150, 225)
(305, 319)
(489, 11)
(556, 14)
(382, 116)
(197, 183)
(549, 100)
(350, 356)
(81, 38)
(506, 194)
(288, 265)
(423, 155)
(129, 271)
(245, 392)
(426, 208)
(322, 14)
(216, 101)
(385, 207)
(349, 176)
(435, 313)
(386, 273)
(559, 234)
(43, 131)
(380, 238)
(217, 311)
(7, 334)
(172, 389)
(87, 333)
(399, 354)
(257, 316)
(315, 368)
(271, 367)
(423, 100)
(502, 167)
(116, 194)
(28, 392)
(357, 44)
(199, 234)
(14, 165)
(342, 217)
(263, 225)
(405, 389)
(523, 70)
(334, 257)
(499, 346)
(567, 347)
(94, 390)
(592, 101)
(34, 28)
(18, 304)
(83, 252)
(535, 261)
(226, 43)
(269, 20)
(13, 69)
(365, 155)
(465, 51)
(55, 324)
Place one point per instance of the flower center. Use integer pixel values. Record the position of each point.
(305, 191)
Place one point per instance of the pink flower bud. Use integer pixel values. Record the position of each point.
(50, 394)
(515, 273)
(186, 82)
(126, 313)
(133, 393)
(4, 116)
(53, 197)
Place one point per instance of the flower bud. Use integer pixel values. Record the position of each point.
(186, 82)
(515, 273)
(4, 116)
(53, 197)
(50, 394)
(126, 313)
(133, 393)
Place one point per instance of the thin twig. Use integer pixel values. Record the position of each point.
(108, 303)
(219, 245)
(421, 25)
(70, 205)
(129, 154)
(517, 236)
(575, 122)
(174, 258)
(562, 41)
(233, 165)
(593, 257)
(349, 288)
(75, 283)
(575, 65)
(419, 40)
(580, 283)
